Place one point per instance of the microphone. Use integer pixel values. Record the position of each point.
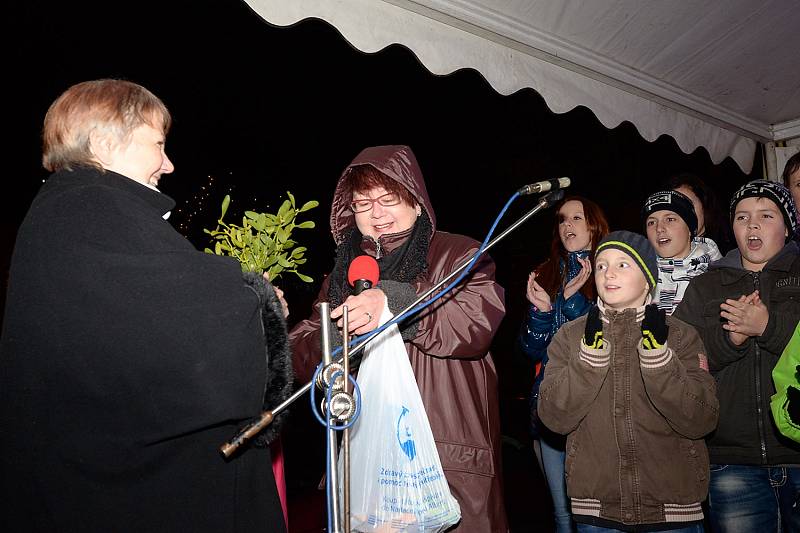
(363, 273)
(544, 186)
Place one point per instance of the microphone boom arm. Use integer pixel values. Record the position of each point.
(266, 418)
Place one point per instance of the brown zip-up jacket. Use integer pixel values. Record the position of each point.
(449, 351)
(634, 419)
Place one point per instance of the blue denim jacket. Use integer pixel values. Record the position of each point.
(539, 326)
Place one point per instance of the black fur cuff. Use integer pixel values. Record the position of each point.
(278, 352)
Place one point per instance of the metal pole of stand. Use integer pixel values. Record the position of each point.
(346, 432)
(332, 473)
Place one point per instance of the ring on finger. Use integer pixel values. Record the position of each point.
(369, 316)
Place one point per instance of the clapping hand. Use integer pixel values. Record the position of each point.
(537, 295)
(593, 334)
(745, 317)
(580, 279)
(654, 327)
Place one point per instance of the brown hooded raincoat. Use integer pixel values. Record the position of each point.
(449, 351)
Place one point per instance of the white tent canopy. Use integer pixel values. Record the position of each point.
(721, 74)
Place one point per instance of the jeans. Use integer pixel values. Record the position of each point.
(553, 456)
(745, 499)
(585, 528)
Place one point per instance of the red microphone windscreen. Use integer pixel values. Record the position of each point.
(363, 267)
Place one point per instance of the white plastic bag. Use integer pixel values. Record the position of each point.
(396, 478)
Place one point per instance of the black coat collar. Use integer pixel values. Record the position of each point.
(83, 176)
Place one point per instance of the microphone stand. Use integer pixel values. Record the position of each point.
(346, 432)
(249, 431)
(332, 472)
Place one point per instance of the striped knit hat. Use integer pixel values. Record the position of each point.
(775, 192)
(638, 247)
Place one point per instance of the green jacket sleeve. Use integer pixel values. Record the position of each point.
(785, 375)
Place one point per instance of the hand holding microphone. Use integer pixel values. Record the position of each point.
(365, 305)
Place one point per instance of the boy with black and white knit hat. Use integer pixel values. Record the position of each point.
(628, 386)
(746, 308)
(777, 193)
(671, 224)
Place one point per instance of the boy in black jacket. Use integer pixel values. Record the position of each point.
(746, 308)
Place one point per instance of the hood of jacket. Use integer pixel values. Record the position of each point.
(398, 163)
(782, 260)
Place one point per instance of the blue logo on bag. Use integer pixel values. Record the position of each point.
(405, 437)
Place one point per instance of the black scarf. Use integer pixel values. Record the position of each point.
(404, 264)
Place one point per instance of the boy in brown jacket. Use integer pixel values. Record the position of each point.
(630, 388)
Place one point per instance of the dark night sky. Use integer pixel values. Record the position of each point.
(266, 109)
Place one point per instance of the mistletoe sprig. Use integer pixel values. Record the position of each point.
(263, 243)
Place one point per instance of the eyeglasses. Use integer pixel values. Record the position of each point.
(365, 204)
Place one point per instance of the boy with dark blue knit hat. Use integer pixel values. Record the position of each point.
(671, 225)
(626, 384)
(746, 308)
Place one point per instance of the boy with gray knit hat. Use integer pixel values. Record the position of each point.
(626, 384)
(746, 308)
(671, 225)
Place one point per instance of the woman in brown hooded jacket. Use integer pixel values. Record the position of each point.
(447, 343)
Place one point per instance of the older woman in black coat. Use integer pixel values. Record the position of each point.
(127, 356)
